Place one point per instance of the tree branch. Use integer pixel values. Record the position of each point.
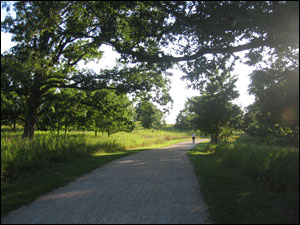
(166, 58)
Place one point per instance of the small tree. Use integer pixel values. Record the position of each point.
(110, 112)
(184, 120)
(149, 115)
(12, 109)
(214, 112)
(65, 110)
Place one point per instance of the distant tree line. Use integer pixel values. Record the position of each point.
(73, 109)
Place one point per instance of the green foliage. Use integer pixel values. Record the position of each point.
(213, 113)
(219, 29)
(103, 110)
(19, 155)
(277, 166)
(235, 195)
(12, 108)
(149, 115)
(184, 119)
(275, 113)
(53, 37)
(65, 110)
(111, 112)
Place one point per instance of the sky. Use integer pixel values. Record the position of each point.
(178, 92)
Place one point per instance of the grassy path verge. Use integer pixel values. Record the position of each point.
(29, 186)
(234, 197)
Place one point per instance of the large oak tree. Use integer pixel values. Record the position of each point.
(52, 37)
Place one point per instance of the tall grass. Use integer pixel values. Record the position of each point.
(233, 195)
(19, 155)
(275, 165)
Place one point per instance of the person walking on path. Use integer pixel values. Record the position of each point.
(194, 137)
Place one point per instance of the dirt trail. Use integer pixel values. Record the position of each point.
(153, 186)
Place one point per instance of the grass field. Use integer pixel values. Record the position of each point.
(19, 155)
(33, 168)
(244, 182)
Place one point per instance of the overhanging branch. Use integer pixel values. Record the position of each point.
(166, 58)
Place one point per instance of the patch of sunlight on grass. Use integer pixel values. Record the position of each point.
(201, 153)
(165, 144)
(245, 194)
(219, 160)
(108, 153)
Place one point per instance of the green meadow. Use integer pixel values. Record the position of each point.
(23, 155)
(247, 182)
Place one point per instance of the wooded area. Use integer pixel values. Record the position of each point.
(42, 86)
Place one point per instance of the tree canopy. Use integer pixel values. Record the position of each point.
(275, 113)
(53, 36)
(149, 115)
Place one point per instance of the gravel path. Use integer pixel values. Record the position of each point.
(153, 186)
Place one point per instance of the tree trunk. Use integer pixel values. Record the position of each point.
(14, 127)
(30, 122)
(33, 105)
(214, 139)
